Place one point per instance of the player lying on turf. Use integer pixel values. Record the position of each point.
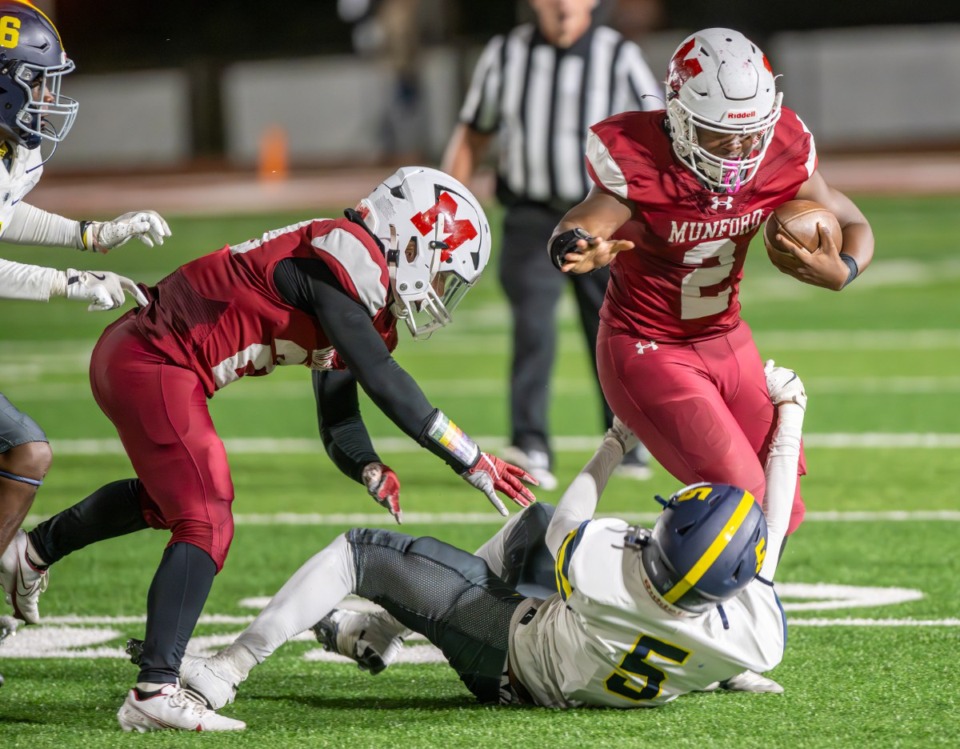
(641, 617)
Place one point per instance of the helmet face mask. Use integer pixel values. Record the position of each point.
(438, 243)
(708, 544)
(720, 82)
(32, 65)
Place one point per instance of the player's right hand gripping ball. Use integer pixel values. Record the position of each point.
(798, 220)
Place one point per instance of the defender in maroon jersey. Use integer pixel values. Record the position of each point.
(324, 294)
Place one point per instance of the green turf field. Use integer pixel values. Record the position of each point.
(869, 581)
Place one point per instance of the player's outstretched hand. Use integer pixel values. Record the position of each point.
(384, 486)
(147, 226)
(590, 253)
(491, 474)
(103, 289)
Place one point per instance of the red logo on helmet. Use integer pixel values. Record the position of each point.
(457, 231)
(681, 70)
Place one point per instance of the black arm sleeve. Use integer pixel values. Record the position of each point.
(309, 285)
(342, 430)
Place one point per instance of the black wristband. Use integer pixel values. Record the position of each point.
(852, 266)
(564, 243)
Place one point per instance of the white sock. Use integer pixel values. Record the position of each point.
(309, 595)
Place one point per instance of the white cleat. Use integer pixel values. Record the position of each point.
(172, 708)
(21, 581)
(784, 385)
(369, 638)
(748, 681)
(213, 680)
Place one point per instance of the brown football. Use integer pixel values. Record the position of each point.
(798, 219)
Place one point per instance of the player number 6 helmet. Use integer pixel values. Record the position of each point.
(437, 239)
(708, 544)
(719, 80)
(32, 63)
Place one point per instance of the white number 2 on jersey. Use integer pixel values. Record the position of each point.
(694, 301)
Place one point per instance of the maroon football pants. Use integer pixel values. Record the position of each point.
(702, 409)
(160, 412)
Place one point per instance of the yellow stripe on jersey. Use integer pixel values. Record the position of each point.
(564, 554)
(713, 551)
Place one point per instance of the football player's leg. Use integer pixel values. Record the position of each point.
(160, 412)
(446, 594)
(518, 553)
(25, 458)
(665, 394)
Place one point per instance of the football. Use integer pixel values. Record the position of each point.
(798, 220)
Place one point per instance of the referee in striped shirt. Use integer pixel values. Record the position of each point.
(538, 89)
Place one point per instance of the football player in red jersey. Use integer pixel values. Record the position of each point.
(677, 196)
(325, 294)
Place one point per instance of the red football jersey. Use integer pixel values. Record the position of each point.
(682, 279)
(221, 315)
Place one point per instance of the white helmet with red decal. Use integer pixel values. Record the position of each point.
(438, 243)
(720, 81)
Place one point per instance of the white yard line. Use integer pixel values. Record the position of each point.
(307, 446)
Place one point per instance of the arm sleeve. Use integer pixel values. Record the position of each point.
(30, 282)
(31, 225)
(780, 472)
(579, 501)
(310, 285)
(342, 430)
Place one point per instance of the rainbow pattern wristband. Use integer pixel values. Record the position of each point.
(452, 439)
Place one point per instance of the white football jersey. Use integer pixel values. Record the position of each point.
(603, 641)
(21, 177)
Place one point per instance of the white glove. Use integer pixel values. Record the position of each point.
(103, 289)
(622, 434)
(784, 385)
(147, 226)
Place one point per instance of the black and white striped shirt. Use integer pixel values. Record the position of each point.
(541, 100)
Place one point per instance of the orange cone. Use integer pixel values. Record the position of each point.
(274, 161)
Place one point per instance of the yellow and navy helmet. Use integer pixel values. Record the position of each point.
(32, 64)
(707, 545)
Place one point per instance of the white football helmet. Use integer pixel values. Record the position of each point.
(438, 243)
(719, 80)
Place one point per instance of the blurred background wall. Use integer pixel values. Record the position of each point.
(318, 83)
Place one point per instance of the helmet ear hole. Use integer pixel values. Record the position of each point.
(411, 250)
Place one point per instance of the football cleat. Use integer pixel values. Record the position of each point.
(748, 681)
(21, 580)
(784, 385)
(370, 639)
(213, 681)
(171, 708)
